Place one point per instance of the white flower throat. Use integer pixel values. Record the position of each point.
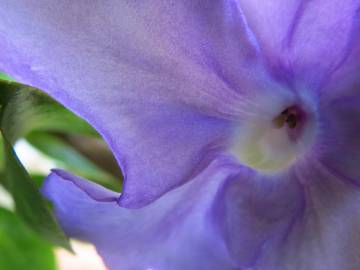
(276, 143)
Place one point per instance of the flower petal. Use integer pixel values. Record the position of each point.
(150, 76)
(345, 81)
(311, 39)
(326, 236)
(254, 211)
(305, 219)
(338, 147)
(226, 218)
(175, 232)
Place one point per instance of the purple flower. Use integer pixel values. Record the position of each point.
(236, 124)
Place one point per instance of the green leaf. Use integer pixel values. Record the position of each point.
(1, 156)
(3, 76)
(71, 159)
(26, 108)
(20, 248)
(23, 109)
(29, 203)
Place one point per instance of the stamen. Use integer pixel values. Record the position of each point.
(290, 116)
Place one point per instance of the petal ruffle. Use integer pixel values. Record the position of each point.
(225, 218)
(151, 76)
(176, 232)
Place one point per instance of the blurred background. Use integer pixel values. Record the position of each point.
(39, 134)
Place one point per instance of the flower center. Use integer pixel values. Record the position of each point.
(276, 143)
(290, 116)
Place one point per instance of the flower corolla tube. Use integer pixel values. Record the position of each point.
(235, 122)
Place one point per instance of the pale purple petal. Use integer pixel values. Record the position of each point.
(309, 39)
(307, 218)
(345, 81)
(339, 147)
(254, 211)
(150, 76)
(225, 218)
(326, 235)
(178, 231)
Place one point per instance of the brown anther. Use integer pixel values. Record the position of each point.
(289, 116)
(279, 121)
(291, 120)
